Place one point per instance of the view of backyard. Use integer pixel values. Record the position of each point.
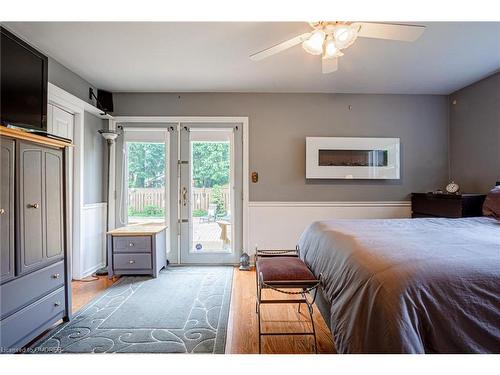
(210, 192)
(146, 182)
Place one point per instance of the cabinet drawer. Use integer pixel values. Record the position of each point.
(29, 288)
(26, 324)
(132, 261)
(132, 244)
(440, 207)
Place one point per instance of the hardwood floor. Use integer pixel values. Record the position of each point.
(242, 332)
(85, 291)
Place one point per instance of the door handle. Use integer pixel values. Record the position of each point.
(184, 196)
(2, 211)
(34, 205)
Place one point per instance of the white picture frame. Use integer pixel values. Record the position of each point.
(389, 169)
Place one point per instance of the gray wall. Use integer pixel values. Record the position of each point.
(64, 78)
(475, 135)
(279, 124)
(95, 161)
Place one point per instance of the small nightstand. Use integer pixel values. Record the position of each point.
(446, 205)
(137, 250)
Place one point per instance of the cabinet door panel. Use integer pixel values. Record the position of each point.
(6, 209)
(30, 240)
(62, 123)
(54, 204)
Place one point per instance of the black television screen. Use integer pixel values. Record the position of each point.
(23, 83)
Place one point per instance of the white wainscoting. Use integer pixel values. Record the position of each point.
(280, 224)
(93, 255)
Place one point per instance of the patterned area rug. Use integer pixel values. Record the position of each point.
(184, 310)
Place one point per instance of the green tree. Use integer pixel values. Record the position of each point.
(210, 163)
(146, 165)
(218, 200)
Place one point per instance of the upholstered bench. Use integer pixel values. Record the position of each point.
(284, 272)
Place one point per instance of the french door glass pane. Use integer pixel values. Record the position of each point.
(146, 182)
(211, 220)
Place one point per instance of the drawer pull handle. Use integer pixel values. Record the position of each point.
(56, 276)
(33, 205)
(57, 304)
(2, 211)
(131, 261)
(131, 244)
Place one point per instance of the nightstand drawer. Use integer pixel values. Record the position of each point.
(132, 261)
(446, 205)
(435, 206)
(132, 244)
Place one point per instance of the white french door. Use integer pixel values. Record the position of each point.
(188, 176)
(210, 193)
(147, 175)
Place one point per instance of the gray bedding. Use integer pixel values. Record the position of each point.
(409, 285)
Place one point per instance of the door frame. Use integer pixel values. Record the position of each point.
(74, 170)
(242, 120)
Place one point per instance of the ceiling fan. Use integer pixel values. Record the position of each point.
(329, 39)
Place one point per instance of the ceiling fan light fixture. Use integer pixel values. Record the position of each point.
(331, 49)
(314, 45)
(345, 35)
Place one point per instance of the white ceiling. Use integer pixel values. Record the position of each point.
(213, 57)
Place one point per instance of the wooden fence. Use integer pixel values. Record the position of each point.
(139, 198)
(202, 197)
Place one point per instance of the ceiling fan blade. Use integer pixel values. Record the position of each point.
(392, 31)
(280, 47)
(329, 65)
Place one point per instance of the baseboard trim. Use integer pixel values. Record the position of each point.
(91, 270)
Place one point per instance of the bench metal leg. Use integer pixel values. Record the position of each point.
(260, 332)
(304, 300)
(310, 309)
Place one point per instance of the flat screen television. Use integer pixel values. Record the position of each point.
(23, 84)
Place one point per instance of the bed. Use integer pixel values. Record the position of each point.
(408, 285)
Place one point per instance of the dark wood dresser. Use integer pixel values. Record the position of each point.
(446, 205)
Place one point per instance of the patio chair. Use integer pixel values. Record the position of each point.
(211, 214)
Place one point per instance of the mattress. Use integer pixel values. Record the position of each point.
(427, 285)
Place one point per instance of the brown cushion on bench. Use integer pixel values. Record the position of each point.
(284, 268)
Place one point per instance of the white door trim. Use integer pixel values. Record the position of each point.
(77, 108)
(209, 119)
